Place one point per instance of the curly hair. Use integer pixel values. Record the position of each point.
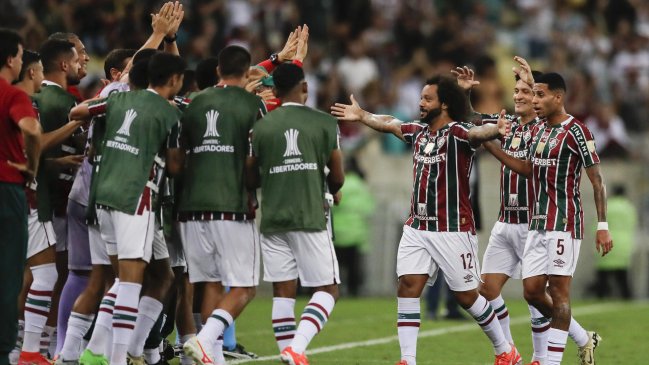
(449, 93)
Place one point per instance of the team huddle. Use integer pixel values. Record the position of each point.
(137, 206)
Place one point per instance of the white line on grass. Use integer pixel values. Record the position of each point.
(586, 310)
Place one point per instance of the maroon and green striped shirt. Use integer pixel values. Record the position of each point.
(516, 191)
(558, 154)
(442, 163)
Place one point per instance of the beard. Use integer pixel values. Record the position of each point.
(73, 79)
(432, 114)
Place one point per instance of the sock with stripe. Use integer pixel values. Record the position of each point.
(484, 314)
(46, 338)
(577, 333)
(101, 341)
(148, 312)
(314, 317)
(124, 317)
(283, 321)
(540, 328)
(211, 336)
(502, 314)
(78, 326)
(556, 345)
(37, 305)
(408, 322)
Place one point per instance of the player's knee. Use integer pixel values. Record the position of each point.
(533, 296)
(410, 286)
(488, 292)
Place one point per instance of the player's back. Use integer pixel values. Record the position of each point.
(293, 145)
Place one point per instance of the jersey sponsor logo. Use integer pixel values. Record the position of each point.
(212, 117)
(430, 159)
(544, 162)
(517, 154)
(123, 147)
(129, 117)
(540, 216)
(291, 143)
(425, 218)
(516, 141)
(301, 166)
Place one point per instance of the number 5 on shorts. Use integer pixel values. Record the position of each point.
(560, 247)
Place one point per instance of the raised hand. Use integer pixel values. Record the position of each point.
(348, 112)
(288, 52)
(302, 44)
(177, 15)
(504, 125)
(252, 85)
(162, 21)
(465, 77)
(524, 72)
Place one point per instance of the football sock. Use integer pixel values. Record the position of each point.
(37, 305)
(502, 314)
(74, 286)
(283, 321)
(149, 310)
(101, 340)
(540, 330)
(124, 317)
(211, 336)
(556, 345)
(78, 325)
(484, 314)
(408, 322)
(577, 333)
(314, 317)
(48, 335)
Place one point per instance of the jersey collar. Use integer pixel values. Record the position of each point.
(51, 83)
(292, 103)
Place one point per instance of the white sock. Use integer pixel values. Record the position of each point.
(21, 333)
(212, 332)
(124, 317)
(502, 314)
(148, 312)
(577, 333)
(47, 337)
(484, 314)
(556, 345)
(101, 341)
(283, 318)
(53, 342)
(198, 321)
(314, 317)
(151, 356)
(408, 322)
(78, 326)
(37, 305)
(540, 330)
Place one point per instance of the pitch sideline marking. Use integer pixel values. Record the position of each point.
(587, 310)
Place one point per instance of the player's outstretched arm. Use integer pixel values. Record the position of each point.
(177, 15)
(604, 242)
(524, 71)
(354, 113)
(521, 167)
(487, 132)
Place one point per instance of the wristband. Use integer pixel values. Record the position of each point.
(298, 63)
(168, 39)
(602, 226)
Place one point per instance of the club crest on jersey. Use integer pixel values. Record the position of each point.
(129, 117)
(429, 148)
(527, 135)
(291, 143)
(516, 141)
(212, 116)
(553, 142)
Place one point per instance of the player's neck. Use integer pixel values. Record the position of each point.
(27, 86)
(439, 122)
(6, 74)
(524, 119)
(164, 91)
(557, 118)
(57, 78)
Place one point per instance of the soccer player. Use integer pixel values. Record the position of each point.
(137, 125)
(560, 147)
(218, 232)
(19, 131)
(290, 150)
(440, 232)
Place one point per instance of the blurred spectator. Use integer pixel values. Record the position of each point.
(614, 267)
(351, 226)
(611, 139)
(356, 69)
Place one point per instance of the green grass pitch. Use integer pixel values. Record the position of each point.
(363, 331)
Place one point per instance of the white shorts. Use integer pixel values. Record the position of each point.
(455, 253)
(175, 247)
(222, 251)
(98, 247)
(133, 234)
(550, 253)
(504, 254)
(160, 251)
(60, 225)
(41, 234)
(307, 255)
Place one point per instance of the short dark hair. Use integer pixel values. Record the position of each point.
(535, 75)
(553, 80)
(449, 93)
(287, 76)
(162, 66)
(29, 57)
(9, 41)
(52, 50)
(139, 73)
(116, 59)
(206, 75)
(63, 36)
(234, 61)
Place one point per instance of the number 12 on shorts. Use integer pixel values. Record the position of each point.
(467, 260)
